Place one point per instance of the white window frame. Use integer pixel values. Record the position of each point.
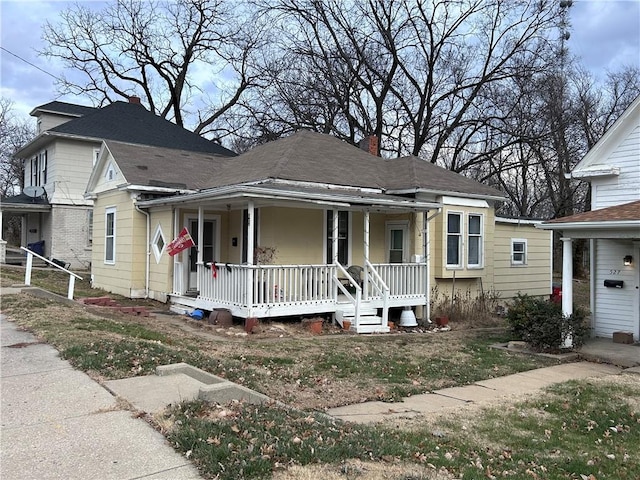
(90, 227)
(43, 168)
(109, 211)
(512, 253)
(157, 252)
(327, 236)
(111, 173)
(480, 237)
(460, 236)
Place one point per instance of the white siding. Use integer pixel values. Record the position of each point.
(48, 121)
(70, 166)
(614, 308)
(624, 187)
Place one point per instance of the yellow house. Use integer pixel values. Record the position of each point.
(303, 225)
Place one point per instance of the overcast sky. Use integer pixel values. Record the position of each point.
(605, 34)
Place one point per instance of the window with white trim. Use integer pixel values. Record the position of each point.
(158, 243)
(89, 227)
(344, 242)
(454, 239)
(111, 172)
(518, 251)
(474, 240)
(110, 236)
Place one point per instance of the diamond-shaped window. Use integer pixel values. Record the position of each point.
(158, 243)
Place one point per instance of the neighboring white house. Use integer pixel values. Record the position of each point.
(612, 167)
(57, 164)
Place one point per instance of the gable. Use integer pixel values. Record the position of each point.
(106, 174)
(619, 147)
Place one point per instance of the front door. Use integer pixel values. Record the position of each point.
(208, 248)
(397, 242)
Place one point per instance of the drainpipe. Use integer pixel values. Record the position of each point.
(146, 266)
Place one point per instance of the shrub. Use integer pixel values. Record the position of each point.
(465, 305)
(542, 324)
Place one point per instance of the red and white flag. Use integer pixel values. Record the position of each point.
(181, 243)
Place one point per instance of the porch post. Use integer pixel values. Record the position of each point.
(250, 249)
(426, 313)
(366, 254)
(199, 240)
(178, 278)
(334, 237)
(567, 283)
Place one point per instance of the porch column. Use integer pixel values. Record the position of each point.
(199, 241)
(178, 274)
(366, 254)
(426, 312)
(567, 283)
(250, 249)
(334, 236)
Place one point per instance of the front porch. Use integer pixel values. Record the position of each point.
(266, 291)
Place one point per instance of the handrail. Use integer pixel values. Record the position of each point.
(356, 301)
(29, 266)
(384, 291)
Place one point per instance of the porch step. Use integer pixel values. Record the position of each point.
(370, 320)
(348, 309)
(372, 329)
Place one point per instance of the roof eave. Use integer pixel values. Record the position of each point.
(449, 193)
(47, 137)
(606, 225)
(332, 199)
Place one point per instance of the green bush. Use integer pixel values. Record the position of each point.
(542, 324)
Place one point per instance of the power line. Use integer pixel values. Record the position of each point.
(29, 63)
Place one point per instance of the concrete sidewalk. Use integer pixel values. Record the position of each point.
(485, 391)
(56, 422)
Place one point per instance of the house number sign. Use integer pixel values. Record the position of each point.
(614, 272)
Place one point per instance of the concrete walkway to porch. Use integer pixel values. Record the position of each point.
(603, 350)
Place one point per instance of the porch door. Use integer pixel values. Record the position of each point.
(208, 248)
(397, 242)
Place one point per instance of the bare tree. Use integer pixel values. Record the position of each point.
(189, 60)
(14, 133)
(414, 73)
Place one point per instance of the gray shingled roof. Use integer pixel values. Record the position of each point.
(156, 166)
(63, 108)
(304, 157)
(132, 123)
(315, 157)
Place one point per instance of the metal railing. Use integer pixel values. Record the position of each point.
(29, 267)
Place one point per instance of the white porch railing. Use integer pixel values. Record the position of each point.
(29, 267)
(302, 289)
(405, 280)
(273, 285)
(381, 289)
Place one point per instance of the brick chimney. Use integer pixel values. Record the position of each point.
(135, 100)
(370, 144)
